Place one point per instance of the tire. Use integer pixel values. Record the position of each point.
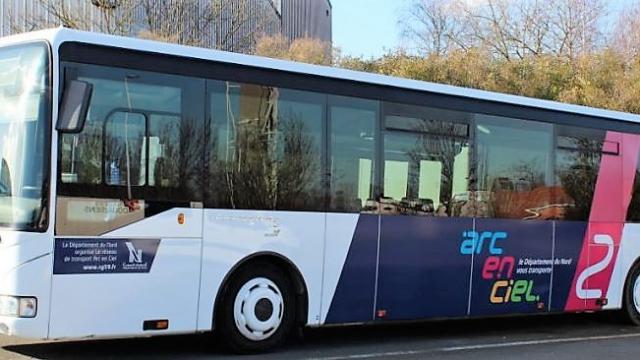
(257, 311)
(632, 296)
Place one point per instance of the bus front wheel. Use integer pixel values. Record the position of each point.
(632, 296)
(257, 312)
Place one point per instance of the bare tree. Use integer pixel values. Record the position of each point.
(436, 26)
(510, 29)
(575, 26)
(626, 32)
(490, 26)
(566, 28)
(107, 16)
(185, 22)
(222, 24)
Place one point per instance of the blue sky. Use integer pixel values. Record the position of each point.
(369, 27)
(366, 27)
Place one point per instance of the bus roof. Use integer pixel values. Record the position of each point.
(61, 35)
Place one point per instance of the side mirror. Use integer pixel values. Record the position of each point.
(74, 106)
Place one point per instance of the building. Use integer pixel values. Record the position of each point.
(307, 18)
(232, 26)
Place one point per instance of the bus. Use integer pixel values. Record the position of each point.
(154, 189)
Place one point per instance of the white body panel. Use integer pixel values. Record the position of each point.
(118, 304)
(232, 235)
(165, 224)
(87, 305)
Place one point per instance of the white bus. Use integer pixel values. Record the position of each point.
(151, 189)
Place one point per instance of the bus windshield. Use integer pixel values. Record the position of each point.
(24, 129)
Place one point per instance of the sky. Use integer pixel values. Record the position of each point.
(366, 27)
(370, 27)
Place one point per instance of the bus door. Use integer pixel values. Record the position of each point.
(425, 215)
(129, 207)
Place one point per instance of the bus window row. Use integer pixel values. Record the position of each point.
(172, 139)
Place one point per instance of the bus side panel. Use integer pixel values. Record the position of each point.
(353, 299)
(422, 271)
(110, 285)
(613, 193)
(117, 304)
(512, 267)
(568, 239)
(232, 236)
(629, 250)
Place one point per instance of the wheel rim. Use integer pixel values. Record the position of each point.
(636, 294)
(258, 309)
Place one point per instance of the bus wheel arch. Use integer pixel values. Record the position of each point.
(256, 261)
(631, 294)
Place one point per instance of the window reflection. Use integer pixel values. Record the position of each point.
(352, 153)
(426, 163)
(267, 148)
(515, 169)
(124, 147)
(578, 155)
(165, 146)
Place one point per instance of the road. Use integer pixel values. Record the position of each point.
(556, 337)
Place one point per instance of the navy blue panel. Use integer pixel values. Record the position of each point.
(568, 244)
(104, 256)
(353, 299)
(512, 266)
(422, 273)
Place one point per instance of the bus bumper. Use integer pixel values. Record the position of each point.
(25, 328)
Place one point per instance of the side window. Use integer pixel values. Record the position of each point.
(516, 169)
(578, 155)
(140, 152)
(353, 126)
(266, 148)
(426, 162)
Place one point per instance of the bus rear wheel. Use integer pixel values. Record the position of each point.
(257, 312)
(632, 296)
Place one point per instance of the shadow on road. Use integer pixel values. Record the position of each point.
(321, 341)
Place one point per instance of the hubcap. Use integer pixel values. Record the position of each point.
(636, 294)
(258, 309)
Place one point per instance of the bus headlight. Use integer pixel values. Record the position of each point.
(16, 306)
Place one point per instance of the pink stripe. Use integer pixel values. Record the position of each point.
(611, 199)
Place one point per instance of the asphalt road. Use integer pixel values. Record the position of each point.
(597, 336)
